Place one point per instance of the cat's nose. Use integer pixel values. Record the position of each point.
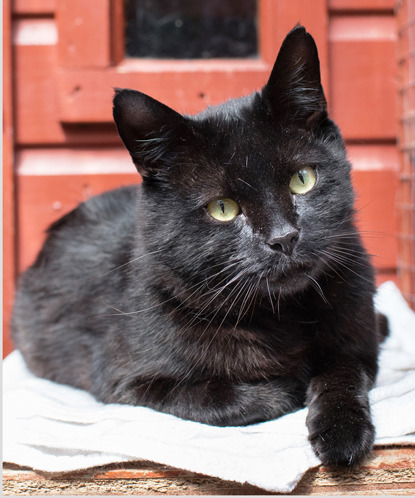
(284, 242)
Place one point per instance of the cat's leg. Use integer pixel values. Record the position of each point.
(339, 420)
(345, 367)
(217, 401)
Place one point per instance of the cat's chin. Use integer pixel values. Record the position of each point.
(291, 281)
(284, 287)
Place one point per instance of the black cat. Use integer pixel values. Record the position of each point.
(231, 287)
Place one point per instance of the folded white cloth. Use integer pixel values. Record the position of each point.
(55, 428)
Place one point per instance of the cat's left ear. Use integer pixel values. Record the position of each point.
(294, 89)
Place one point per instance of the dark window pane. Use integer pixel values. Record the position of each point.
(191, 29)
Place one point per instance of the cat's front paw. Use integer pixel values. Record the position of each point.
(340, 435)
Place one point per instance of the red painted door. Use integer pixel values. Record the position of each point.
(68, 55)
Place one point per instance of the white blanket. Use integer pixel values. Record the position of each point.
(56, 428)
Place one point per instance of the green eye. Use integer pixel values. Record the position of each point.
(223, 209)
(303, 181)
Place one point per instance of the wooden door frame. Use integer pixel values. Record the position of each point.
(9, 229)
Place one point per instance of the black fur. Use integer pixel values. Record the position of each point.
(141, 297)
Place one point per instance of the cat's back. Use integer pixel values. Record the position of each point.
(73, 275)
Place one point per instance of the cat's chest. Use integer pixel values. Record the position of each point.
(251, 352)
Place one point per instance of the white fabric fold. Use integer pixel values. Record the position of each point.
(56, 428)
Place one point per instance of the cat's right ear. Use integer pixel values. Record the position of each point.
(148, 128)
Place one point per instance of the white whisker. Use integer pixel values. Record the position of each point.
(319, 290)
(129, 262)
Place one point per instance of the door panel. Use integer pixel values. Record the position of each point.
(68, 55)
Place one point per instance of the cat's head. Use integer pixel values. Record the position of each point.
(253, 190)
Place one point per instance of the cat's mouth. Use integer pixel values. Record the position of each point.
(288, 279)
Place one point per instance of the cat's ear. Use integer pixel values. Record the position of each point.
(294, 89)
(149, 130)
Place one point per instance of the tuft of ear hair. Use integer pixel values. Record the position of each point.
(146, 126)
(294, 90)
